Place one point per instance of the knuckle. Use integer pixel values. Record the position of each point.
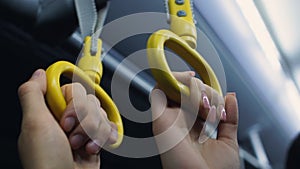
(30, 126)
(199, 81)
(104, 131)
(75, 88)
(103, 112)
(78, 86)
(104, 126)
(93, 99)
(26, 88)
(91, 127)
(80, 108)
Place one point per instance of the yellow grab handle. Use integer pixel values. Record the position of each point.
(160, 68)
(56, 100)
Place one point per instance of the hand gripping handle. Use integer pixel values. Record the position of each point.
(160, 68)
(57, 102)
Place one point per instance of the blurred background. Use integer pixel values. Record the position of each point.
(257, 42)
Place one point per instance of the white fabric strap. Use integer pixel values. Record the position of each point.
(90, 22)
(87, 16)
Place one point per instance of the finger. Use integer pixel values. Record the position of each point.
(210, 95)
(203, 97)
(192, 103)
(80, 135)
(162, 118)
(114, 134)
(113, 137)
(184, 77)
(228, 128)
(106, 134)
(95, 126)
(76, 98)
(158, 103)
(73, 90)
(31, 95)
(214, 98)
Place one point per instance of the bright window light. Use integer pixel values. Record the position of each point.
(260, 31)
(283, 17)
(297, 76)
(287, 92)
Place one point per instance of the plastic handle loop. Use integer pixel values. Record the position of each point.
(160, 68)
(56, 100)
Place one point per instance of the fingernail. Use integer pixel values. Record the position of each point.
(223, 114)
(36, 74)
(212, 114)
(205, 100)
(115, 134)
(69, 124)
(93, 147)
(203, 136)
(76, 141)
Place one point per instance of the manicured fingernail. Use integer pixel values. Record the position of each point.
(76, 141)
(203, 137)
(69, 124)
(223, 114)
(115, 134)
(93, 147)
(212, 114)
(36, 74)
(205, 100)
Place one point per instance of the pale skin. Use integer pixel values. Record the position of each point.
(219, 153)
(45, 142)
(74, 141)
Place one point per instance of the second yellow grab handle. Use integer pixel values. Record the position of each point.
(160, 68)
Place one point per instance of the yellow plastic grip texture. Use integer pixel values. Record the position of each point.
(183, 25)
(160, 68)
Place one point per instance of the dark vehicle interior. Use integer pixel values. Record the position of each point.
(256, 42)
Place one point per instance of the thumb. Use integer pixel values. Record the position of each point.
(31, 97)
(39, 139)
